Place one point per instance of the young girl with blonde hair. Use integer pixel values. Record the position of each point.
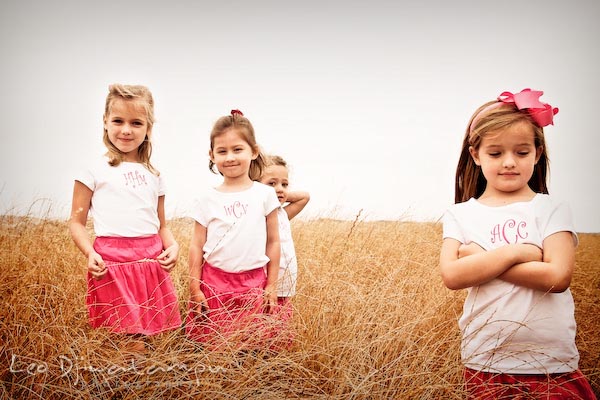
(512, 246)
(129, 287)
(234, 251)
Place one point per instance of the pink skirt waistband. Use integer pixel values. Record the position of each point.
(121, 249)
(233, 282)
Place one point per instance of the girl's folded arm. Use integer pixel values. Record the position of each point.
(554, 272)
(480, 267)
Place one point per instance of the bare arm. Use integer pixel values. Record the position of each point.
(297, 202)
(82, 198)
(196, 261)
(168, 258)
(460, 272)
(553, 273)
(273, 251)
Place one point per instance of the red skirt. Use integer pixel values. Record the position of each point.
(235, 317)
(136, 296)
(565, 386)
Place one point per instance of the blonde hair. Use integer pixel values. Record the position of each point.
(242, 125)
(470, 181)
(275, 160)
(142, 95)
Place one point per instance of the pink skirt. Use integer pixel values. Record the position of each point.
(136, 296)
(234, 318)
(489, 386)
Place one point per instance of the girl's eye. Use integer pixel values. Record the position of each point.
(495, 154)
(523, 153)
(285, 185)
(117, 121)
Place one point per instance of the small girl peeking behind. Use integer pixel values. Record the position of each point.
(129, 286)
(512, 246)
(276, 175)
(234, 250)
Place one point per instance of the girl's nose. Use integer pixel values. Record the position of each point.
(508, 161)
(126, 129)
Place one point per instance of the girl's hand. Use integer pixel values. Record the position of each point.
(530, 252)
(270, 298)
(469, 249)
(168, 258)
(199, 303)
(96, 266)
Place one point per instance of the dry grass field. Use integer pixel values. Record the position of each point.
(372, 321)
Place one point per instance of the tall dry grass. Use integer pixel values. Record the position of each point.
(372, 321)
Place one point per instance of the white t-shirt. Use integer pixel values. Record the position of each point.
(236, 227)
(508, 328)
(288, 265)
(125, 198)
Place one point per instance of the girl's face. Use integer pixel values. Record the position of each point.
(507, 158)
(232, 154)
(127, 127)
(277, 176)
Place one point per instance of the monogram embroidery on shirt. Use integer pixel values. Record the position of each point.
(509, 232)
(236, 209)
(134, 178)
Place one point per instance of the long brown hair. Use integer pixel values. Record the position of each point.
(470, 181)
(241, 124)
(142, 95)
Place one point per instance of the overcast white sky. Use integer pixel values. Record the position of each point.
(368, 101)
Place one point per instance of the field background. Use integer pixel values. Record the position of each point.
(372, 321)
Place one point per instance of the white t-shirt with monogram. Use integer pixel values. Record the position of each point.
(508, 328)
(125, 198)
(236, 237)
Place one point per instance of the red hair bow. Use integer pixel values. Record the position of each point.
(233, 112)
(529, 100)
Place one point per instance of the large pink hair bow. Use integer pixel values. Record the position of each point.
(529, 100)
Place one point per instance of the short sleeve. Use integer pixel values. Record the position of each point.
(559, 219)
(86, 176)
(272, 201)
(162, 186)
(199, 213)
(451, 229)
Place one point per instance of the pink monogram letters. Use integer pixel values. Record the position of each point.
(509, 232)
(236, 209)
(134, 179)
